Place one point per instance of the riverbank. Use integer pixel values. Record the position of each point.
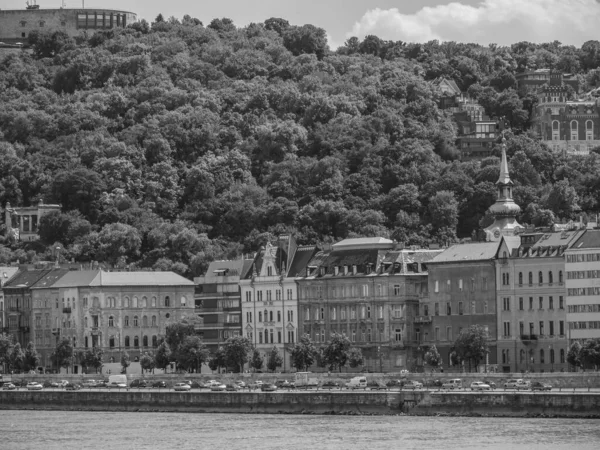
(419, 403)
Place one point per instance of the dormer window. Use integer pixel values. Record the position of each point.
(322, 270)
(354, 269)
(269, 271)
(336, 270)
(345, 270)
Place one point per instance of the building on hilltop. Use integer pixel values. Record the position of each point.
(22, 221)
(217, 302)
(368, 289)
(16, 25)
(571, 127)
(532, 80)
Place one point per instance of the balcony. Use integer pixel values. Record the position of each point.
(422, 320)
(95, 331)
(232, 324)
(67, 310)
(526, 338)
(56, 331)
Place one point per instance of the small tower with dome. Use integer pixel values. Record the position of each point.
(505, 210)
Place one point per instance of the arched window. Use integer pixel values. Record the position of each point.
(145, 341)
(111, 342)
(136, 341)
(167, 301)
(589, 130)
(562, 355)
(154, 341)
(153, 321)
(530, 278)
(135, 302)
(183, 301)
(144, 302)
(551, 356)
(85, 322)
(85, 340)
(126, 341)
(126, 321)
(126, 302)
(154, 302)
(540, 278)
(574, 130)
(560, 276)
(145, 321)
(541, 356)
(520, 278)
(555, 130)
(135, 321)
(111, 321)
(550, 277)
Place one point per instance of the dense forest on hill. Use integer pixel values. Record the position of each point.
(173, 144)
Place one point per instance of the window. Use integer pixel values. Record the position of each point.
(436, 289)
(126, 302)
(126, 321)
(561, 303)
(145, 321)
(541, 356)
(136, 341)
(562, 355)
(111, 321)
(306, 314)
(322, 314)
(530, 278)
(506, 303)
(343, 312)
(289, 294)
(398, 334)
(290, 315)
(111, 342)
(368, 312)
(551, 325)
(278, 316)
(521, 328)
(85, 340)
(279, 337)
(425, 310)
(248, 296)
(550, 277)
(145, 341)
(460, 284)
(437, 334)
(332, 313)
(574, 130)
(561, 327)
(520, 303)
(269, 295)
(126, 341)
(353, 335)
(353, 312)
(506, 329)
(436, 308)
(167, 301)
(135, 321)
(506, 279)
(540, 278)
(530, 303)
(550, 303)
(260, 337)
(291, 337)
(520, 278)
(560, 276)
(153, 321)
(449, 333)
(448, 309)
(460, 308)
(541, 328)
(85, 322)
(541, 302)
(380, 312)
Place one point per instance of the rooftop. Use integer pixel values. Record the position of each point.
(480, 251)
(589, 239)
(363, 243)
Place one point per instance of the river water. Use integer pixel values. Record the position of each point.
(105, 430)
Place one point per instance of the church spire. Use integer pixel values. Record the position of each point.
(505, 210)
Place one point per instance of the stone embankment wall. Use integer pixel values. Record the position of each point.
(210, 402)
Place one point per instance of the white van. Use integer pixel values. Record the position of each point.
(117, 381)
(357, 383)
(455, 383)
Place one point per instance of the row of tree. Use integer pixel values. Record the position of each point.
(586, 355)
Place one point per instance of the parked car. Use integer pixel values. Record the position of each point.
(116, 384)
(89, 383)
(101, 384)
(282, 384)
(329, 384)
(434, 383)
(138, 384)
(540, 386)
(50, 384)
(391, 384)
(523, 386)
(357, 383)
(212, 383)
(73, 387)
(218, 387)
(490, 383)
(455, 383)
(34, 386)
(159, 384)
(255, 385)
(268, 387)
(241, 384)
(375, 385)
(8, 387)
(63, 383)
(232, 387)
(404, 373)
(480, 386)
(197, 385)
(412, 384)
(182, 387)
(512, 383)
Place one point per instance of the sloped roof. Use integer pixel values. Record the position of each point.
(140, 279)
(231, 268)
(480, 251)
(76, 278)
(25, 279)
(589, 239)
(301, 259)
(363, 243)
(50, 278)
(559, 238)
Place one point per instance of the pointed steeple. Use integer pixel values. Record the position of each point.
(505, 210)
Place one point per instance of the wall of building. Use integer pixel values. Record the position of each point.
(16, 25)
(582, 269)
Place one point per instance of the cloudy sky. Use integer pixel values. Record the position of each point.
(483, 21)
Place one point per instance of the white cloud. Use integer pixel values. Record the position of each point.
(491, 21)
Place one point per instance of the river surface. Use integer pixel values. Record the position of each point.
(49, 430)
